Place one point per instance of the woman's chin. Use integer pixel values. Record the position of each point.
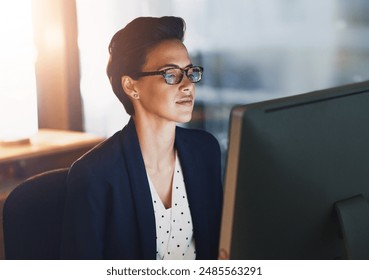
(184, 119)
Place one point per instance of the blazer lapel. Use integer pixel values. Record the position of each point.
(140, 190)
(194, 181)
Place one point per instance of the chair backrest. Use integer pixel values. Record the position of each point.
(32, 217)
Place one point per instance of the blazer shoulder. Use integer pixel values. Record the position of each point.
(102, 155)
(196, 135)
(198, 139)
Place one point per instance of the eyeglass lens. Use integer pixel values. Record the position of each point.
(175, 75)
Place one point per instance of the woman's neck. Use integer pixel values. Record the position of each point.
(156, 138)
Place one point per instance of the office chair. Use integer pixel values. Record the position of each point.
(32, 217)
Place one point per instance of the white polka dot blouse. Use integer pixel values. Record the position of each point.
(174, 230)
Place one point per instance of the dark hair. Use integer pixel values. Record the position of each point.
(129, 46)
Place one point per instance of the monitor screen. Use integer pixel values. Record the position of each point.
(297, 177)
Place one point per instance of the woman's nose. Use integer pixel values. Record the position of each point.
(186, 85)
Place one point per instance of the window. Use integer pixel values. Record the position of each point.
(18, 102)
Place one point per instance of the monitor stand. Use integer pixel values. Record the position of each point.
(353, 214)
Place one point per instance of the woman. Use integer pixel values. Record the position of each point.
(152, 190)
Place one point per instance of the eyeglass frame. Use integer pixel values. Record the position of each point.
(163, 73)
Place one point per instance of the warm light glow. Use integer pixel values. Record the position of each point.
(18, 106)
(53, 39)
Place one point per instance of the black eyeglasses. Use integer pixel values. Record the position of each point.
(174, 75)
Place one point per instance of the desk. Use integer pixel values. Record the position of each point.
(48, 149)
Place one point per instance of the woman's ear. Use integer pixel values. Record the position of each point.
(129, 87)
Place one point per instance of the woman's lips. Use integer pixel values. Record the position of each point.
(185, 102)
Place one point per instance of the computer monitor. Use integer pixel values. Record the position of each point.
(297, 177)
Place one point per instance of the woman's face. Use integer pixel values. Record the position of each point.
(157, 99)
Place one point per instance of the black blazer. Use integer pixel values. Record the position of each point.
(109, 212)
